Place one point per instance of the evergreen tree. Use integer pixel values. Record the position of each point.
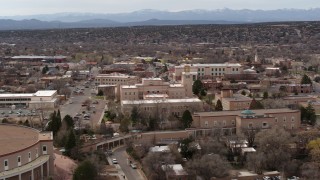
(68, 121)
(26, 123)
(219, 106)
(265, 95)
(103, 127)
(100, 93)
(134, 115)
(255, 104)
(306, 80)
(197, 87)
(58, 119)
(85, 171)
(71, 142)
(45, 69)
(187, 119)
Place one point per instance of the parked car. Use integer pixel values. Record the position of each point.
(114, 161)
(133, 165)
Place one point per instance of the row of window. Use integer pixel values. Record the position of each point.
(16, 99)
(218, 69)
(6, 161)
(285, 119)
(118, 80)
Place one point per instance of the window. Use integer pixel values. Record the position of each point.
(276, 120)
(292, 119)
(264, 125)
(292, 126)
(250, 125)
(233, 122)
(44, 149)
(206, 123)
(284, 119)
(284, 126)
(19, 160)
(29, 156)
(6, 165)
(224, 123)
(37, 152)
(215, 123)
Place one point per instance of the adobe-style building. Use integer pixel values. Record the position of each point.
(157, 88)
(156, 98)
(232, 122)
(115, 79)
(208, 71)
(232, 101)
(25, 153)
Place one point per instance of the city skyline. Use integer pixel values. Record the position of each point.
(31, 7)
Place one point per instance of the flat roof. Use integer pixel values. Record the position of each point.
(38, 57)
(152, 101)
(42, 93)
(238, 97)
(212, 65)
(238, 113)
(15, 138)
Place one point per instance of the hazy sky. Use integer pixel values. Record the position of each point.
(23, 7)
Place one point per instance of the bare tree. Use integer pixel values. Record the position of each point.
(153, 162)
(209, 166)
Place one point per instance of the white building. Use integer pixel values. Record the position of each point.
(207, 71)
(40, 99)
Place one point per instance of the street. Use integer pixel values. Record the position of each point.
(121, 156)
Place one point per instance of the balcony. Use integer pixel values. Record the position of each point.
(25, 168)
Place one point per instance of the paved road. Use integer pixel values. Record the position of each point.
(121, 156)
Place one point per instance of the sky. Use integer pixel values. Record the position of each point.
(30, 7)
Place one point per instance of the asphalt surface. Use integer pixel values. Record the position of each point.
(121, 156)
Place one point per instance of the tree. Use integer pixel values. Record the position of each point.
(218, 106)
(243, 92)
(100, 93)
(153, 162)
(86, 170)
(255, 104)
(71, 142)
(308, 115)
(250, 135)
(187, 151)
(124, 124)
(68, 120)
(45, 69)
(209, 166)
(265, 95)
(211, 145)
(310, 170)
(197, 87)
(306, 80)
(187, 119)
(103, 127)
(54, 124)
(135, 115)
(273, 143)
(314, 148)
(256, 162)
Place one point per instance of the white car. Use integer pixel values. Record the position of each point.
(114, 161)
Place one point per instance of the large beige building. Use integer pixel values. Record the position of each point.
(208, 71)
(40, 99)
(232, 101)
(231, 122)
(157, 88)
(115, 79)
(25, 153)
(156, 98)
(162, 108)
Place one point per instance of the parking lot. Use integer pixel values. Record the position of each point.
(17, 113)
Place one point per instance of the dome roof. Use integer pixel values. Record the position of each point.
(247, 112)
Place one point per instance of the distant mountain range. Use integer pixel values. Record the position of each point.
(155, 17)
